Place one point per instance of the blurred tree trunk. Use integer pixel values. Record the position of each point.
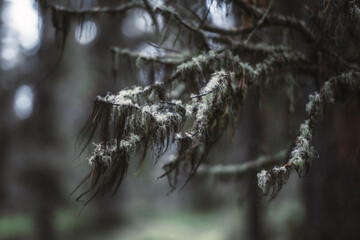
(5, 135)
(41, 185)
(333, 185)
(254, 136)
(5, 143)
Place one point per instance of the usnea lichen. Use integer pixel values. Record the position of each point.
(105, 153)
(214, 93)
(263, 180)
(271, 182)
(355, 9)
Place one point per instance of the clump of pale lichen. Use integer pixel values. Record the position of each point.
(210, 97)
(104, 153)
(355, 9)
(270, 182)
(303, 153)
(263, 180)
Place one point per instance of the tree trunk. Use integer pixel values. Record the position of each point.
(333, 184)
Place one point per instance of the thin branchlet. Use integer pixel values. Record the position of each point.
(171, 15)
(269, 21)
(261, 20)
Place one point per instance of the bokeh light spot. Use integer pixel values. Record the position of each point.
(85, 32)
(23, 105)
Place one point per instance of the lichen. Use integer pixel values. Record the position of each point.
(128, 145)
(197, 63)
(162, 117)
(263, 180)
(354, 10)
(124, 97)
(104, 152)
(211, 96)
(315, 104)
(270, 182)
(302, 154)
(140, 58)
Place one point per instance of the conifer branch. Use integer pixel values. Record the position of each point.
(264, 20)
(263, 49)
(151, 11)
(269, 21)
(174, 59)
(211, 61)
(302, 154)
(225, 59)
(194, 145)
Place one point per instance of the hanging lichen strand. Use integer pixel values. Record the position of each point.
(302, 154)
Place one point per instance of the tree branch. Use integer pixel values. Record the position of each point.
(171, 13)
(269, 21)
(98, 10)
(302, 154)
(239, 170)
